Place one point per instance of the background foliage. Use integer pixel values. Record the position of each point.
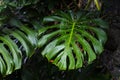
(15, 18)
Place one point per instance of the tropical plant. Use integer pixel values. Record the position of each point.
(73, 39)
(69, 40)
(13, 43)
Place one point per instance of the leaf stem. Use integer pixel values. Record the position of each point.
(97, 4)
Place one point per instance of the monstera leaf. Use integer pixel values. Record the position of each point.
(72, 40)
(14, 45)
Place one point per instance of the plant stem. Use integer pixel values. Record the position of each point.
(97, 4)
(88, 4)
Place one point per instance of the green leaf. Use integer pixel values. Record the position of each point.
(102, 36)
(53, 18)
(46, 37)
(54, 51)
(31, 34)
(78, 55)
(100, 23)
(24, 41)
(49, 47)
(68, 51)
(87, 48)
(2, 66)
(7, 58)
(72, 40)
(11, 51)
(96, 44)
(16, 53)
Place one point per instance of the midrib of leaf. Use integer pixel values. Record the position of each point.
(71, 34)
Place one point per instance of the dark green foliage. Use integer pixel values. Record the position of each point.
(69, 39)
(13, 44)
